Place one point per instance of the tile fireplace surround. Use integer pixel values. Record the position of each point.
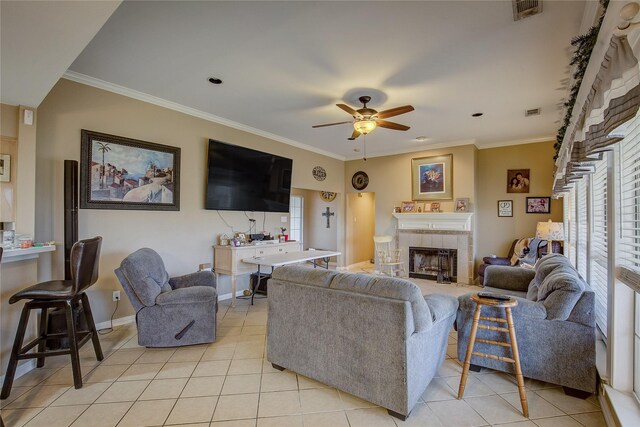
(445, 230)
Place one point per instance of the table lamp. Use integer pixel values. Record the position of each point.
(550, 231)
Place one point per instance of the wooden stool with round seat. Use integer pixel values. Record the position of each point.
(65, 294)
(507, 304)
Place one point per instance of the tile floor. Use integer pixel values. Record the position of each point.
(231, 384)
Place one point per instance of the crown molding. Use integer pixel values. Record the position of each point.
(425, 146)
(144, 97)
(517, 142)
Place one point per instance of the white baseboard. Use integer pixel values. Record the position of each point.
(28, 366)
(116, 322)
(228, 296)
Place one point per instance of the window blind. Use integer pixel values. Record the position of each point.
(571, 225)
(598, 278)
(581, 224)
(629, 246)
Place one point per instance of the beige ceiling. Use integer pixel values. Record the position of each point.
(285, 65)
(38, 42)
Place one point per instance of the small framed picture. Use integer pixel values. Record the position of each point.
(462, 204)
(505, 208)
(420, 207)
(5, 168)
(539, 205)
(435, 207)
(408, 207)
(397, 209)
(518, 181)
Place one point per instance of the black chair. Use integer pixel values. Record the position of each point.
(65, 294)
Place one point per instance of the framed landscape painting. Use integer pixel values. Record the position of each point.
(432, 178)
(124, 173)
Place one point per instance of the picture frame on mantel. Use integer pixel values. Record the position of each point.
(123, 173)
(432, 177)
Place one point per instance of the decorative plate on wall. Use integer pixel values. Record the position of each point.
(360, 180)
(319, 173)
(328, 196)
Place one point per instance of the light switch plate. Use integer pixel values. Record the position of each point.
(28, 117)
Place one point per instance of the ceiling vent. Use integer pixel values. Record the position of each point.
(532, 112)
(525, 8)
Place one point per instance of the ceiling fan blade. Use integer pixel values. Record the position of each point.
(394, 111)
(391, 125)
(330, 124)
(348, 109)
(354, 135)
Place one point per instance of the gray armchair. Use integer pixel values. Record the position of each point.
(554, 322)
(170, 312)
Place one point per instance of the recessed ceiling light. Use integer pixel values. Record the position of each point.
(421, 138)
(477, 114)
(215, 80)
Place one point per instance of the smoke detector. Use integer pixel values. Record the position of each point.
(525, 8)
(532, 112)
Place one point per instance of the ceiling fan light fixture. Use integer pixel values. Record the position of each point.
(365, 126)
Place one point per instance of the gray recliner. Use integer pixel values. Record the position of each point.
(170, 312)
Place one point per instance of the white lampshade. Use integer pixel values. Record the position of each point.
(550, 230)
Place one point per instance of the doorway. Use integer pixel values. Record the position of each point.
(360, 227)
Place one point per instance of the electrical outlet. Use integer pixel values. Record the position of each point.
(116, 295)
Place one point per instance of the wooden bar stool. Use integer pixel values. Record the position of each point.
(507, 305)
(66, 294)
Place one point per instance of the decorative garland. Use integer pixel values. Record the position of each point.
(583, 46)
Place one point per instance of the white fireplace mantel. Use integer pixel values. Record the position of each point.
(454, 221)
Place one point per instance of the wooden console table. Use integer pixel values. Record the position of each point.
(228, 259)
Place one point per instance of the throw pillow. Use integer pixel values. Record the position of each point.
(520, 249)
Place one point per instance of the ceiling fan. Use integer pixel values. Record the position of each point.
(365, 120)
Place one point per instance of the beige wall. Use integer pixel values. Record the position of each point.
(496, 234)
(182, 238)
(315, 232)
(390, 180)
(360, 227)
(9, 120)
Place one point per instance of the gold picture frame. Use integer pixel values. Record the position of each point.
(432, 178)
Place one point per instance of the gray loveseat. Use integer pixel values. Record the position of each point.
(170, 312)
(554, 322)
(375, 337)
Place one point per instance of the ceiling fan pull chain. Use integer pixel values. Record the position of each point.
(365, 148)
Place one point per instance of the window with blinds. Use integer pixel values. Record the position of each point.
(570, 225)
(581, 225)
(629, 247)
(598, 278)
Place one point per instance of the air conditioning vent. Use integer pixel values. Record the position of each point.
(526, 8)
(532, 112)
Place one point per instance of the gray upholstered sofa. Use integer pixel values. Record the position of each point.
(170, 312)
(375, 337)
(554, 321)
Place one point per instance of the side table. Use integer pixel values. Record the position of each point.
(507, 305)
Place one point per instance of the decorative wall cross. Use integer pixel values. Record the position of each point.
(328, 214)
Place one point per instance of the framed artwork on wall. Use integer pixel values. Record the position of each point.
(124, 173)
(432, 178)
(505, 208)
(5, 168)
(539, 205)
(518, 180)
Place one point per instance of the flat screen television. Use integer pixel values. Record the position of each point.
(242, 179)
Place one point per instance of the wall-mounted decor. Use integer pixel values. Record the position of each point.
(539, 205)
(505, 208)
(5, 168)
(319, 173)
(432, 177)
(518, 181)
(124, 173)
(462, 204)
(360, 180)
(408, 207)
(328, 196)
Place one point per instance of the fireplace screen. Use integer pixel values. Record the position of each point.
(434, 264)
